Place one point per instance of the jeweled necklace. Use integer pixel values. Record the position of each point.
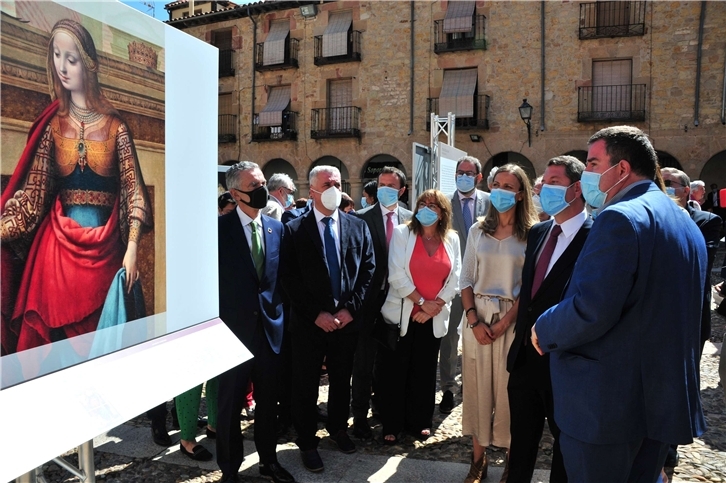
(83, 116)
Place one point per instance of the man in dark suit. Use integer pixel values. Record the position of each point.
(295, 213)
(327, 267)
(381, 219)
(251, 306)
(468, 204)
(625, 337)
(552, 250)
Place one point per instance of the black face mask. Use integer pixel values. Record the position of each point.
(258, 197)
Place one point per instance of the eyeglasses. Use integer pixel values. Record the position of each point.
(466, 173)
(668, 183)
(431, 206)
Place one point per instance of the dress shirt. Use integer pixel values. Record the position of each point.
(473, 202)
(246, 220)
(569, 230)
(384, 215)
(335, 227)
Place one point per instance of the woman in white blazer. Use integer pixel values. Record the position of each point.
(424, 264)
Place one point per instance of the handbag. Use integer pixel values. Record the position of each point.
(387, 334)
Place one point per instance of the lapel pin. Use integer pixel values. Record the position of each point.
(269, 230)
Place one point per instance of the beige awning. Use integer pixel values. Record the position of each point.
(277, 101)
(457, 93)
(274, 49)
(335, 37)
(459, 16)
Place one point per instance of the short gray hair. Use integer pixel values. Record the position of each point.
(322, 169)
(677, 173)
(280, 180)
(697, 184)
(235, 171)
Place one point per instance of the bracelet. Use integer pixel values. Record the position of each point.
(471, 326)
(469, 310)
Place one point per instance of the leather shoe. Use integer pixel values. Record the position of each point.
(276, 473)
(342, 440)
(447, 402)
(198, 453)
(160, 436)
(229, 479)
(361, 429)
(311, 460)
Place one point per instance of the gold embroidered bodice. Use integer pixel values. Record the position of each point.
(101, 154)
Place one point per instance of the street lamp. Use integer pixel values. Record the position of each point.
(525, 112)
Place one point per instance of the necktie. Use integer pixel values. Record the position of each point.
(544, 259)
(468, 220)
(331, 256)
(389, 228)
(258, 256)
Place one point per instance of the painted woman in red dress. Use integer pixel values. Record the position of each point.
(75, 207)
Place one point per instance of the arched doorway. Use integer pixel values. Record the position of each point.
(714, 171)
(372, 168)
(666, 160)
(580, 154)
(333, 161)
(279, 165)
(507, 157)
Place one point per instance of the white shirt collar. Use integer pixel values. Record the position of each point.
(246, 220)
(319, 216)
(386, 211)
(573, 225)
(462, 197)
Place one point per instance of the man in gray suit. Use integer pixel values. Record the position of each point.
(381, 219)
(468, 204)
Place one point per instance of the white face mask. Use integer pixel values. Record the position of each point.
(330, 198)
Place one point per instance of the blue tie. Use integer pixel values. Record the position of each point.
(467, 215)
(331, 256)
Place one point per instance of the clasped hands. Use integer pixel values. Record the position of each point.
(487, 334)
(429, 309)
(330, 322)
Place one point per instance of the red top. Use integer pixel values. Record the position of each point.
(429, 272)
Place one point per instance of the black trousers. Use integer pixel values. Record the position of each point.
(264, 370)
(408, 380)
(157, 415)
(310, 345)
(364, 376)
(530, 402)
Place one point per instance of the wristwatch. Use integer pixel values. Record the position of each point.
(420, 302)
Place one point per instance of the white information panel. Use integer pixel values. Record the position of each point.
(448, 156)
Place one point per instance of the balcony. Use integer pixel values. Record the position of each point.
(611, 103)
(291, 50)
(226, 63)
(480, 119)
(452, 42)
(612, 19)
(285, 132)
(335, 122)
(227, 128)
(352, 54)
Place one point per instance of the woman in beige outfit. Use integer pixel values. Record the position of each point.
(490, 282)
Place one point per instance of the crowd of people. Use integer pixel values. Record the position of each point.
(584, 304)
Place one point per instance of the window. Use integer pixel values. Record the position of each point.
(340, 100)
(612, 86)
(335, 38)
(457, 93)
(274, 48)
(223, 41)
(227, 125)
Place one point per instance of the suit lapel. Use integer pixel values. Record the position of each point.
(271, 243)
(240, 240)
(458, 215)
(379, 230)
(480, 205)
(569, 256)
(312, 227)
(345, 232)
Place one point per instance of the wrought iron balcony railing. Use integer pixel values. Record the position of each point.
(227, 128)
(226, 63)
(611, 103)
(291, 51)
(353, 52)
(287, 131)
(612, 19)
(451, 42)
(480, 119)
(335, 122)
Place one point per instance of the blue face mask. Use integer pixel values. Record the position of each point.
(289, 200)
(554, 198)
(387, 196)
(427, 216)
(465, 183)
(364, 202)
(590, 183)
(502, 200)
(670, 191)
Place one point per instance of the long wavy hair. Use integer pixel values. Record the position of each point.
(525, 216)
(95, 99)
(444, 225)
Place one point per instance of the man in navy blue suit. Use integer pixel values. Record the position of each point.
(250, 304)
(624, 341)
(327, 267)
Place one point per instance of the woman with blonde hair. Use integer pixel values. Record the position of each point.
(490, 284)
(424, 263)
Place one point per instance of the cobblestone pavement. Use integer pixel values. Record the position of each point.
(704, 460)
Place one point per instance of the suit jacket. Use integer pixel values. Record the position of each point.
(244, 299)
(273, 209)
(374, 219)
(710, 226)
(297, 212)
(305, 276)
(482, 206)
(549, 293)
(626, 335)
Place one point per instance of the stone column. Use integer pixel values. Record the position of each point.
(356, 190)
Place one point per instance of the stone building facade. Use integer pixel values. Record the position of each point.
(602, 63)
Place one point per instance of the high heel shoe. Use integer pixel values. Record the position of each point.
(478, 470)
